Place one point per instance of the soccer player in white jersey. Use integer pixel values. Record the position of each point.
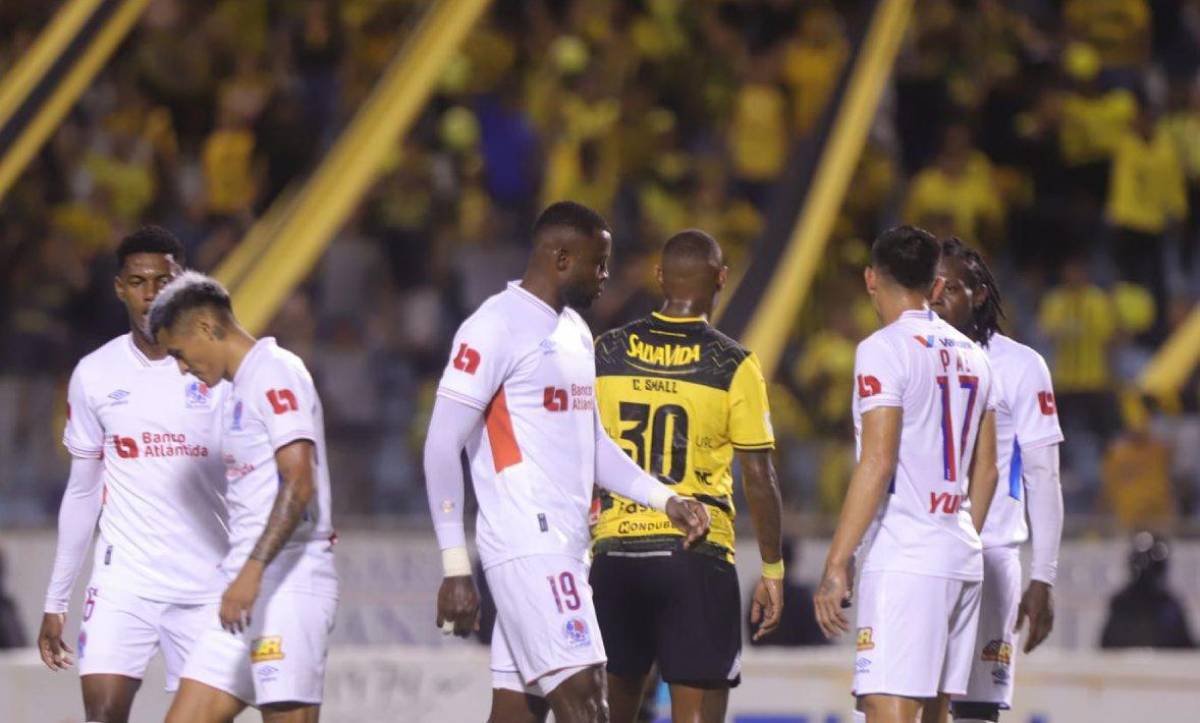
(1027, 442)
(926, 433)
(518, 394)
(282, 586)
(145, 464)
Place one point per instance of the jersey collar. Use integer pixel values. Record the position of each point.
(925, 314)
(523, 293)
(679, 319)
(144, 360)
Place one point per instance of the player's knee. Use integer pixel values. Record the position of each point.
(966, 712)
(107, 709)
(581, 697)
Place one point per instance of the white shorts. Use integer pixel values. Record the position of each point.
(279, 659)
(546, 627)
(916, 634)
(995, 656)
(120, 632)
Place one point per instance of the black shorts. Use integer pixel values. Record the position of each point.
(681, 609)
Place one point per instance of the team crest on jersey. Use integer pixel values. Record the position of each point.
(997, 651)
(198, 395)
(266, 648)
(576, 631)
(866, 639)
(237, 417)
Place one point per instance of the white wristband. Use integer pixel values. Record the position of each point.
(660, 495)
(456, 562)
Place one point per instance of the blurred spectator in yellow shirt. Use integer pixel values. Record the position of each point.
(758, 133)
(1091, 121)
(812, 62)
(956, 195)
(1118, 29)
(1146, 197)
(1136, 475)
(1078, 319)
(229, 175)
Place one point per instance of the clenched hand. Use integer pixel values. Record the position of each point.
(690, 516)
(458, 605)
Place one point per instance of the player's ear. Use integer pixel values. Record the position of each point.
(722, 277)
(981, 296)
(869, 279)
(562, 258)
(935, 291)
(206, 326)
(658, 274)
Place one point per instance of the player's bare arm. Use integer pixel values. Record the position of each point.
(868, 485)
(762, 497)
(1045, 504)
(984, 473)
(295, 463)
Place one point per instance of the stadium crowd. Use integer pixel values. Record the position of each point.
(1062, 137)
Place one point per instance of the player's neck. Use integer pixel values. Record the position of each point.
(153, 351)
(239, 345)
(544, 290)
(894, 307)
(686, 309)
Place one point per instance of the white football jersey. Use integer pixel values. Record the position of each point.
(532, 371)
(1026, 418)
(162, 526)
(272, 403)
(942, 382)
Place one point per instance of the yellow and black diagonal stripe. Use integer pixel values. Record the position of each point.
(36, 95)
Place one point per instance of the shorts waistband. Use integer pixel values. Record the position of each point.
(648, 545)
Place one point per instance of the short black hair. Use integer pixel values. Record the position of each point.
(570, 214)
(691, 244)
(985, 319)
(909, 255)
(149, 240)
(190, 290)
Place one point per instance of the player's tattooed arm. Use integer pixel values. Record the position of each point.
(868, 487)
(295, 463)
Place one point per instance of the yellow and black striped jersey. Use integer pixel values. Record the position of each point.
(679, 397)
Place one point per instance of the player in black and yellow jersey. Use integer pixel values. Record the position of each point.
(683, 399)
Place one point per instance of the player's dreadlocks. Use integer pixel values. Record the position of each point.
(985, 318)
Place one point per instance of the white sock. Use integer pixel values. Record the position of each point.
(860, 717)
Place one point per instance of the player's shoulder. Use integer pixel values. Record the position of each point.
(889, 339)
(499, 315)
(270, 361)
(1009, 351)
(611, 346)
(110, 355)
